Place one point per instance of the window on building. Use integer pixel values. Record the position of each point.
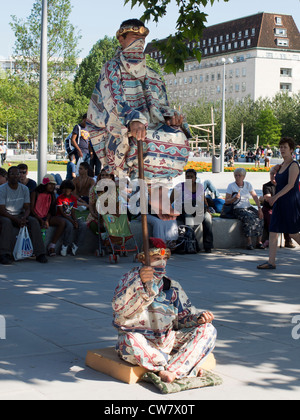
(240, 34)
(286, 87)
(237, 87)
(221, 38)
(242, 43)
(248, 42)
(282, 42)
(227, 37)
(235, 44)
(286, 72)
(246, 33)
(233, 35)
(229, 46)
(278, 20)
(213, 77)
(253, 32)
(244, 87)
(244, 72)
(237, 72)
(201, 78)
(280, 32)
(223, 47)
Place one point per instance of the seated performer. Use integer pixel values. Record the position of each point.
(158, 327)
(130, 103)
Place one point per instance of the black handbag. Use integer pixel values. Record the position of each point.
(227, 209)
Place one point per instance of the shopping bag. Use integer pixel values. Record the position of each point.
(23, 247)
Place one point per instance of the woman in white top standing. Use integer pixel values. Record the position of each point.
(238, 193)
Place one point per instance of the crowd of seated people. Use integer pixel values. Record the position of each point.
(55, 204)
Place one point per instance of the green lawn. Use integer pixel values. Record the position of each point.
(32, 166)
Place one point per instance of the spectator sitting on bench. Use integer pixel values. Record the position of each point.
(30, 183)
(43, 208)
(83, 183)
(14, 214)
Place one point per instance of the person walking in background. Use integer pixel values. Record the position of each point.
(286, 201)
(81, 141)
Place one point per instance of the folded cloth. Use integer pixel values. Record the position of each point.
(207, 379)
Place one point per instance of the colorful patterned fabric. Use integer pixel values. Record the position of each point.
(207, 379)
(158, 327)
(128, 91)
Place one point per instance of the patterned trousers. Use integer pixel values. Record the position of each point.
(190, 348)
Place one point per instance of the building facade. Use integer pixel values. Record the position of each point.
(262, 58)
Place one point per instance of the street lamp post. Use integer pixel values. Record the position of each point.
(43, 102)
(223, 127)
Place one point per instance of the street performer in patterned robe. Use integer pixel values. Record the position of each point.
(158, 328)
(130, 103)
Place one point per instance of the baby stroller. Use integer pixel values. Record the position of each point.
(113, 240)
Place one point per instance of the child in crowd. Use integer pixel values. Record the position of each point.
(43, 208)
(66, 206)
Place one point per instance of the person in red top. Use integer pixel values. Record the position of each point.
(66, 205)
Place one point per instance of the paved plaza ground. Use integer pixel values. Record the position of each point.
(54, 313)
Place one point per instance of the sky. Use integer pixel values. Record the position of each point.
(97, 18)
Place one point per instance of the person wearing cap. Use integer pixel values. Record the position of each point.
(158, 328)
(43, 208)
(14, 214)
(129, 103)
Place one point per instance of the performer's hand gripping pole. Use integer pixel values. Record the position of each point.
(143, 202)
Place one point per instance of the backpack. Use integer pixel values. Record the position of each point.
(186, 242)
(68, 142)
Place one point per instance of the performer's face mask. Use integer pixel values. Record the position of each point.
(159, 263)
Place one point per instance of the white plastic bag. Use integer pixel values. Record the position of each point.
(23, 247)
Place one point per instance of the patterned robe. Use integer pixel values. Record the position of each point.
(158, 326)
(126, 91)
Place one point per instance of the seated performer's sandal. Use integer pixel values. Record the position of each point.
(266, 266)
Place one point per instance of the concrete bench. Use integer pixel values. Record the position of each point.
(227, 234)
(91, 242)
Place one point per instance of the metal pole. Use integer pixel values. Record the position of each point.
(43, 103)
(223, 120)
(7, 135)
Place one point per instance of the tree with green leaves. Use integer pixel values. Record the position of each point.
(62, 41)
(190, 24)
(268, 128)
(90, 68)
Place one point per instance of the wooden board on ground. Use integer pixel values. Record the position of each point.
(107, 361)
